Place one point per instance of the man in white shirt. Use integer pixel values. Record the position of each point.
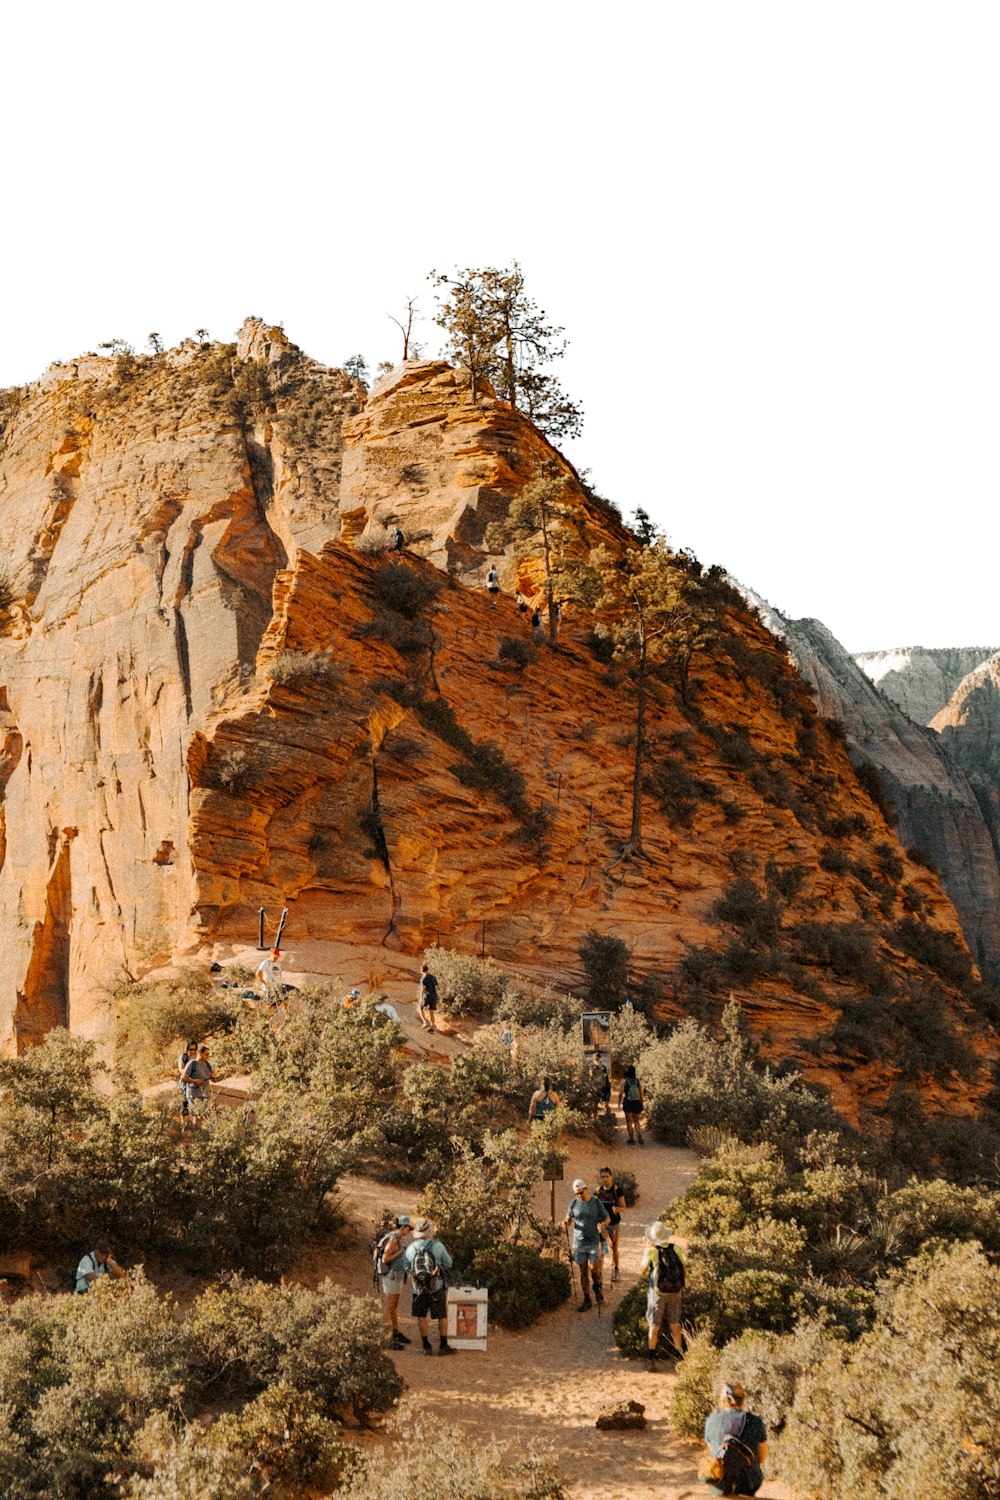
(268, 976)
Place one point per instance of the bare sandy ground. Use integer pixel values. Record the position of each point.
(548, 1384)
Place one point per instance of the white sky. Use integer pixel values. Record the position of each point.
(772, 232)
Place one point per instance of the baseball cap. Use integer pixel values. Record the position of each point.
(578, 1183)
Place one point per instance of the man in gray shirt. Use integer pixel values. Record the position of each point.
(588, 1217)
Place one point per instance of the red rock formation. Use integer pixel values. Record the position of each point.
(188, 753)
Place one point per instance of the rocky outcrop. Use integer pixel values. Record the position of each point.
(937, 808)
(219, 697)
(918, 681)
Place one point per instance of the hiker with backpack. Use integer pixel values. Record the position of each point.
(427, 998)
(196, 1079)
(95, 1263)
(390, 1273)
(632, 1101)
(426, 1259)
(493, 586)
(666, 1273)
(613, 1199)
(543, 1102)
(190, 1054)
(737, 1446)
(588, 1217)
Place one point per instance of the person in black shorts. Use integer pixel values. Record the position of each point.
(611, 1195)
(427, 999)
(632, 1102)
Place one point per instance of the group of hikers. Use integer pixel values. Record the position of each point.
(407, 1249)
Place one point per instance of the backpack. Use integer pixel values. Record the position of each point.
(545, 1105)
(424, 1268)
(669, 1270)
(633, 1091)
(378, 1250)
(737, 1459)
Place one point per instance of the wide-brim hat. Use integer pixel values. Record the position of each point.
(658, 1233)
(421, 1226)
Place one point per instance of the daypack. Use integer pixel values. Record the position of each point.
(544, 1106)
(737, 1459)
(424, 1268)
(669, 1270)
(378, 1250)
(633, 1091)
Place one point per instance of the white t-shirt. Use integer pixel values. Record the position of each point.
(269, 973)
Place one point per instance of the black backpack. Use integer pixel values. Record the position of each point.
(737, 1459)
(669, 1270)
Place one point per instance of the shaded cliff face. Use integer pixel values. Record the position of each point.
(920, 681)
(938, 809)
(969, 726)
(215, 701)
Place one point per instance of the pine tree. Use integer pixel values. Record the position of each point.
(536, 521)
(650, 605)
(500, 334)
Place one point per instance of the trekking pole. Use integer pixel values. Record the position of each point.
(260, 928)
(572, 1269)
(281, 927)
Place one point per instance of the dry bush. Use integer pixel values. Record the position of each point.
(301, 666)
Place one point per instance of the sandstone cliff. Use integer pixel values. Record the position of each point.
(218, 697)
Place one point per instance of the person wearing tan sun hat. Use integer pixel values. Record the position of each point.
(665, 1268)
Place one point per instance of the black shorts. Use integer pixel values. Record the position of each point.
(430, 1304)
(429, 1002)
(632, 1106)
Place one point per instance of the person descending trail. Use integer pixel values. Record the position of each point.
(632, 1102)
(613, 1199)
(398, 540)
(426, 1259)
(196, 1078)
(667, 1276)
(190, 1054)
(543, 1102)
(588, 1217)
(493, 586)
(427, 998)
(268, 976)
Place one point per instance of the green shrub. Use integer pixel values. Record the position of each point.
(156, 1018)
(479, 1470)
(628, 1034)
(469, 986)
(699, 1379)
(524, 1005)
(406, 589)
(485, 1197)
(743, 905)
(941, 951)
(516, 651)
(605, 961)
(490, 1070)
(523, 1284)
(629, 1323)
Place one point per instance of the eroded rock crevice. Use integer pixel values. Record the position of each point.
(44, 1000)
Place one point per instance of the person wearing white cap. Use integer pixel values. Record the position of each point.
(666, 1283)
(588, 1217)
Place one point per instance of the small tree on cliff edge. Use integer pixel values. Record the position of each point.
(537, 515)
(500, 334)
(649, 604)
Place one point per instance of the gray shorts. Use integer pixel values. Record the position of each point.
(662, 1307)
(392, 1283)
(584, 1253)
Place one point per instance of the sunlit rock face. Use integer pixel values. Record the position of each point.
(211, 704)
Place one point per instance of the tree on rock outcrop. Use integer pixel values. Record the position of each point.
(500, 334)
(649, 604)
(536, 519)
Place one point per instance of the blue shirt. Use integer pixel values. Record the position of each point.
(439, 1253)
(586, 1220)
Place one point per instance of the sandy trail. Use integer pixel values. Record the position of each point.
(548, 1383)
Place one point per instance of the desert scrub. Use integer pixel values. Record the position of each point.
(480, 1470)
(522, 1284)
(155, 1019)
(301, 666)
(469, 986)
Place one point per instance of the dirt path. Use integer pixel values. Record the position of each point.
(548, 1383)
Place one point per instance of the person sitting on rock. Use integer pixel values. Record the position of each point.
(95, 1263)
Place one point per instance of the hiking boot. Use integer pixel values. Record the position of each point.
(641, 1141)
(599, 1293)
(445, 1348)
(614, 1273)
(585, 1305)
(398, 1340)
(427, 1347)
(630, 1142)
(652, 1363)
